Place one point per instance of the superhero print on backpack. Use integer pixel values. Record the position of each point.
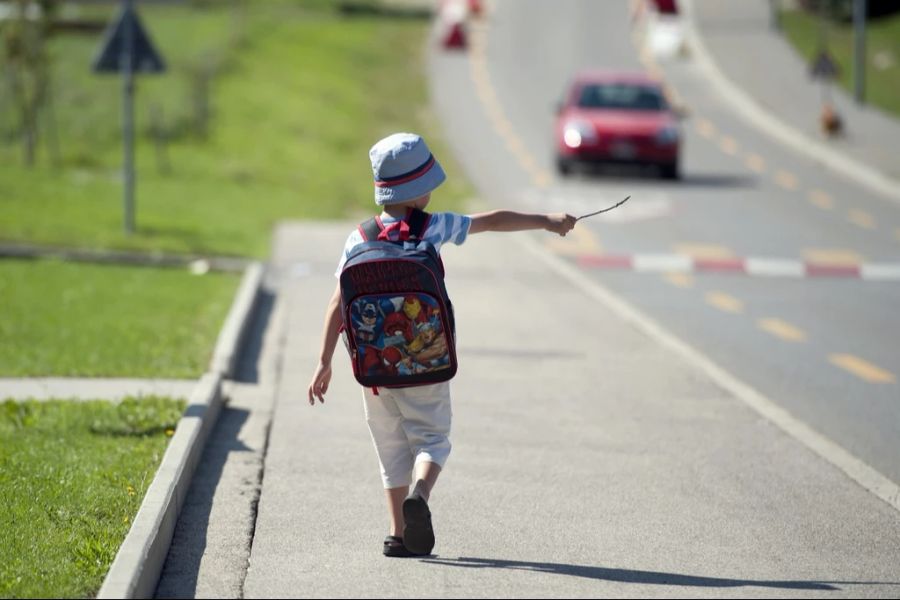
(399, 335)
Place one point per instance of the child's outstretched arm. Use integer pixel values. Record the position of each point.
(510, 220)
(330, 332)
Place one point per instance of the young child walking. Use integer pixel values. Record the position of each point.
(410, 426)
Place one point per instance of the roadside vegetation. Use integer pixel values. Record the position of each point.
(810, 33)
(266, 113)
(74, 319)
(72, 477)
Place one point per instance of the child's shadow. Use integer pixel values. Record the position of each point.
(637, 576)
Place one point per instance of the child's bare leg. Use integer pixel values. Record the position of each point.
(426, 476)
(395, 497)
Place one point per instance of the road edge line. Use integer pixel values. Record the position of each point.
(857, 470)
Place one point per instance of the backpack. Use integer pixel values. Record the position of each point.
(398, 320)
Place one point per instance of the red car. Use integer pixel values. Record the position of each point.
(619, 117)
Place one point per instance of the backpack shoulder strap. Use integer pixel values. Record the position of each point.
(370, 229)
(418, 222)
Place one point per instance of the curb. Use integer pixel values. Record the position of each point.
(849, 167)
(226, 353)
(141, 557)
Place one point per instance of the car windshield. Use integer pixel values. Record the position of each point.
(621, 96)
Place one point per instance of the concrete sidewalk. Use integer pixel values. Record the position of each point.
(777, 93)
(589, 460)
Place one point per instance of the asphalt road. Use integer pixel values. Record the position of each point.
(823, 348)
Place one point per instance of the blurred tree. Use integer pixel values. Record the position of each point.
(27, 65)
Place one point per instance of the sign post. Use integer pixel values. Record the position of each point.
(127, 49)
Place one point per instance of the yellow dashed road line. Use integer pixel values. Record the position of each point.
(724, 302)
(481, 78)
(672, 95)
(861, 368)
(578, 242)
(787, 180)
(781, 329)
(543, 179)
(728, 145)
(839, 256)
(514, 145)
(646, 58)
(699, 250)
(705, 128)
(861, 218)
(821, 199)
(682, 280)
(755, 163)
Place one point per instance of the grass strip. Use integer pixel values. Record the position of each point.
(72, 477)
(79, 319)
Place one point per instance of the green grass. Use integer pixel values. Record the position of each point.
(804, 30)
(92, 320)
(299, 96)
(72, 476)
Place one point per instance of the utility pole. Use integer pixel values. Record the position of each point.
(859, 50)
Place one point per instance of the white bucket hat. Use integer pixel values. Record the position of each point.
(404, 168)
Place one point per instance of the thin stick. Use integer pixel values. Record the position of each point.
(620, 203)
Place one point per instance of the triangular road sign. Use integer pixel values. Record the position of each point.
(823, 67)
(144, 57)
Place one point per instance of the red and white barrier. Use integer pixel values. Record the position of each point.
(752, 266)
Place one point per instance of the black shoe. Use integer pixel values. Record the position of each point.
(393, 546)
(418, 535)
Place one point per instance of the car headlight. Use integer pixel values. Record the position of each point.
(667, 135)
(577, 132)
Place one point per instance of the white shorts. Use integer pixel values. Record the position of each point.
(408, 425)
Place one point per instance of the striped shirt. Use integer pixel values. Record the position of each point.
(443, 228)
